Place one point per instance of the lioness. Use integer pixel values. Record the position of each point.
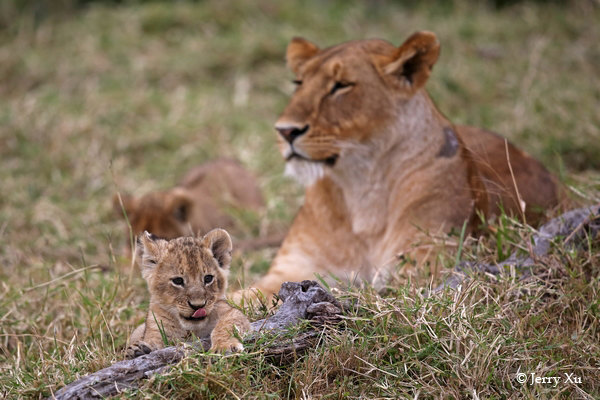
(187, 280)
(383, 168)
(199, 202)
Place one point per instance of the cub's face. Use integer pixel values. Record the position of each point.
(186, 276)
(164, 213)
(346, 96)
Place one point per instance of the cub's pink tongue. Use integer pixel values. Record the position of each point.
(201, 312)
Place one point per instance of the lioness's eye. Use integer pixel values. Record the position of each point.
(178, 281)
(208, 279)
(340, 85)
(297, 82)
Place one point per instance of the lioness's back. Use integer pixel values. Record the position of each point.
(536, 186)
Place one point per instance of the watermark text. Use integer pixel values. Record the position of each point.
(535, 379)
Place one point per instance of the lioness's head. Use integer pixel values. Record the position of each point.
(346, 95)
(187, 275)
(164, 213)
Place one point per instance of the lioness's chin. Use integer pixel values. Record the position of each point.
(304, 171)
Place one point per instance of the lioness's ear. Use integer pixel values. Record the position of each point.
(298, 51)
(129, 205)
(180, 204)
(413, 60)
(219, 242)
(148, 252)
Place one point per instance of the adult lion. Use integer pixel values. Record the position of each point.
(383, 168)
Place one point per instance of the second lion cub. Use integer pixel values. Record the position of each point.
(187, 280)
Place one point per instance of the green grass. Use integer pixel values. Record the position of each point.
(129, 97)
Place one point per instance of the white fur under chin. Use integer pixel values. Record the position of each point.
(305, 172)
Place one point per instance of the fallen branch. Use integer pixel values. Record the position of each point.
(573, 226)
(301, 301)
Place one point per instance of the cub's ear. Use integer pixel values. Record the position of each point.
(298, 51)
(180, 204)
(129, 205)
(148, 252)
(413, 60)
(219, 242)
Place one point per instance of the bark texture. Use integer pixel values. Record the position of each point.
(573, 227)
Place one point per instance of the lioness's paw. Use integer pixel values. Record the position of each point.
(138, 349)
(227, 346)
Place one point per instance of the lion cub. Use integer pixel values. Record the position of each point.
(187, 280)
(202, 200)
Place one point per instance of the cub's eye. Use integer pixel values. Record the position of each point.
(177, 281)
(340, 85)
(208, 279)
(297, 82)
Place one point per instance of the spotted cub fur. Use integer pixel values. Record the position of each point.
(187, 280)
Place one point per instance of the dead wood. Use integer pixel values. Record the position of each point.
(301, 301)
(572, 227)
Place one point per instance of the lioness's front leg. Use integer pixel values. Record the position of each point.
(320, 241)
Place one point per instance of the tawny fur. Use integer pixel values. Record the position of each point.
(383, 168)
(202, 264)
(200, 202)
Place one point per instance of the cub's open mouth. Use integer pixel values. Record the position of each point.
(195, 319)
(198, 315)
(329, 161)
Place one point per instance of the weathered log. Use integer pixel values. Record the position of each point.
(573, 226)
(301, 301)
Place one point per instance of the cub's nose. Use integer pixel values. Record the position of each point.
(196, 307)
(290, 132)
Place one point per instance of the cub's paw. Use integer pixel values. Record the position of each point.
(138, 349)
(227, 346)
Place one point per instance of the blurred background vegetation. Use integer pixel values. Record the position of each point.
(105, 96)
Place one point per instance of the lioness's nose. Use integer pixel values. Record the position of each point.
(291, 132)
